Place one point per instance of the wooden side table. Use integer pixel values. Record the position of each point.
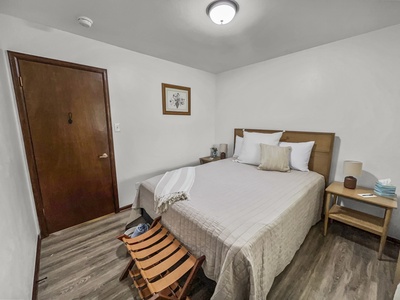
(207, 159)
(355, 218)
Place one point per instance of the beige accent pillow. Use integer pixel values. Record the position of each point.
(275, 158)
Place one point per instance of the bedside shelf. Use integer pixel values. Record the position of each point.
(357, 219)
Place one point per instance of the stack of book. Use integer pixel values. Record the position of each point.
(385, 190)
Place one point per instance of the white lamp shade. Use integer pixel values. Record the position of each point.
(222, 12)
(352, 168)
(223, 148)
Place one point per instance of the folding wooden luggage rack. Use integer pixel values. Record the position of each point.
(158, 262)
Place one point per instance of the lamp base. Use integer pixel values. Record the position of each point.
(350, 182)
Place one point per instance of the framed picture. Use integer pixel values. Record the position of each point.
(175, 99)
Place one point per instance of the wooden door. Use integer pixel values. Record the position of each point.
(65, 119)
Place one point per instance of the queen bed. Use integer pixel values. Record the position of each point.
(248, 223)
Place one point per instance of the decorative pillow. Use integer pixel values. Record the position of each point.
(250, 153)
(275, 158)
(300, 154)
(238, 146)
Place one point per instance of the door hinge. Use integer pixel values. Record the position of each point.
(44, 214)
(20, 81)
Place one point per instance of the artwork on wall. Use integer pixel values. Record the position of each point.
(175, 99)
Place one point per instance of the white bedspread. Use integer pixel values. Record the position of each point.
(249, 223)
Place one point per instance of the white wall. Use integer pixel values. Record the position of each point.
(350, 87)
(18, 223)
(148, 144)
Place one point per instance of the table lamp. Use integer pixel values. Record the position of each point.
(223, 149)
(351, 168)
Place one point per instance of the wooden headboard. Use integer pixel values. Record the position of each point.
(321, 155)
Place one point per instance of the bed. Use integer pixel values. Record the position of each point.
(247, 222)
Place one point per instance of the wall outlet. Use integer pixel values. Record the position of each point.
(117, 127)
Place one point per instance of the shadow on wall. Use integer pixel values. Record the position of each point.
(367, 179)
(335, 158)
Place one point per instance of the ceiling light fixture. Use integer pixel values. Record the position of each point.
(85, 21)
(221, 12)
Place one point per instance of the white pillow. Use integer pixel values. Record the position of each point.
(300, 155)
(251, 153)
(238, 146)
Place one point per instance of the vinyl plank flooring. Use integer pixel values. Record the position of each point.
(85, 262)
(342, 265)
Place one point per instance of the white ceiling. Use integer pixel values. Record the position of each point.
(180, 31)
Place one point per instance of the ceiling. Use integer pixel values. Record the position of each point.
(180, 31)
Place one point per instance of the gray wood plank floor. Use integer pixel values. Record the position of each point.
(85, 262)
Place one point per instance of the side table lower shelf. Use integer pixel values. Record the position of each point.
(357, 219)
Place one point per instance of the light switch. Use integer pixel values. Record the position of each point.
(117, 127)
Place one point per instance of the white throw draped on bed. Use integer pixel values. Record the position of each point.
(174, 186)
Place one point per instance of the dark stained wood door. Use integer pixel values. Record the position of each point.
(67, 114)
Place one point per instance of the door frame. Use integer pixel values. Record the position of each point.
(14, 58)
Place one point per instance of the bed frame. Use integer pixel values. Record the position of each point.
(321, 154)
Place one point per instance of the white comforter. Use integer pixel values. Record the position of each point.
(249, 223)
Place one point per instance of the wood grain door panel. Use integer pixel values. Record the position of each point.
(75, 184)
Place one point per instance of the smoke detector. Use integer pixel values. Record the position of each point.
(85, 21)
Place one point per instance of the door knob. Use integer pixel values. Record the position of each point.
(104, 155)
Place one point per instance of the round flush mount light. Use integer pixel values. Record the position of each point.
(221, 12)
(85, 21)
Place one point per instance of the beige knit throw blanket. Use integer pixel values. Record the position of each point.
(173, 186)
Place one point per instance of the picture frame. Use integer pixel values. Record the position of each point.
(176, 99)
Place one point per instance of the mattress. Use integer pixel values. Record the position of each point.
(247, 222)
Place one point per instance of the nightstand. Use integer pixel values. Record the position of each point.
(207, 159)
(355, 218)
